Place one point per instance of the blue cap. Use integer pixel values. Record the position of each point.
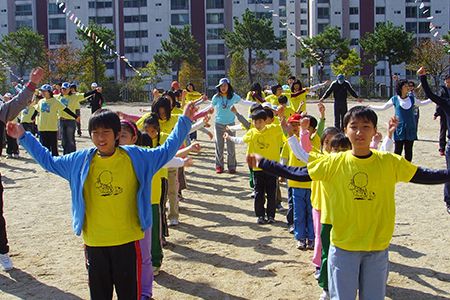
(46, 87)
(222, 81)
(65, 85)
(341, 78)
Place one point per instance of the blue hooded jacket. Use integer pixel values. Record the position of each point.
(74, 167)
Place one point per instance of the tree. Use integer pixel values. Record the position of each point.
(193, 74)
(153, 74)
(320, 48)
(388, 43)
(93, 51)
(433, 55)
(254, 36)
(63, 64)
(237, 74)
(4, 78)
(181, 47)
(349, 65)
(284, 70)
(23, 48)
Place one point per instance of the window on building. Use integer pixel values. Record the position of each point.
(303, 11)
(135, 3)
(380, 72)
(425, 12)
(158, 4)
(179, 19)
(57, 23)
(411, 11)
(397, 12)
(158, 35)
(213, 79)
(101, 20)
(354, 10)
(283, 33)
(136, 49)
(354, 26)
(303, 32)
(214, 33)
(438, 11)
(380, 10)
(259, 1)
(321, 27)
(53, 9)
(323, 1)
(282, 12)
(214, 4)
(109, 65)
(158, 20)
(57, 38)
(138, 64)
(100, 4)
(136, 34)
(424, 27)
(267, 15)
(303, 21)
(215, 49)
(179, 4)
(411, 27)
(353, 42)
(135, 19)
(24, 23)
(214, 18)
(215, 64)
(24, 10)
(282, 3)
(323, 13)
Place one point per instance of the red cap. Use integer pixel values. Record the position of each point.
(175, 85)
(294, 118)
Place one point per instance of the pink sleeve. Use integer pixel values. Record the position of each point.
(305, 142)
(134, 118)
(373, 145)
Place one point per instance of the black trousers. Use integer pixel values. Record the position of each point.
(4, 248)
(163, 206)
(340, 109)
(50, 141)
(267, 183)
(31, 127)
(443, 133)
(407, 145)
(115, 266)
(12, 147)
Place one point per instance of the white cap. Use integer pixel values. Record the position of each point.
(94, 84)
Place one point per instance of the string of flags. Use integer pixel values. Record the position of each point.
(8, 68)
(89, 32)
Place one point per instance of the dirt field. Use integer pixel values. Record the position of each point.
(218, 251)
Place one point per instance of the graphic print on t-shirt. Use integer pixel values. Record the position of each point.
(105, 186)
(261, 143)
(65, 102)
(45, 108)
(358, 186)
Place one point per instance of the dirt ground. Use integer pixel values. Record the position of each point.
(218, 251)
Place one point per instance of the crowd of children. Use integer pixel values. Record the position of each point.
(126, 189)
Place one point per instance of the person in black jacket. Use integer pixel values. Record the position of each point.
(445, 93)
(96, 100)
(340, 87)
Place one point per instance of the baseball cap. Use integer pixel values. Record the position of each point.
(175, 85)
(295, 118)
(45, 87)
(222, 81)
(268, 105)
(94, 85)
(8, 95)
(65, 85)
(340, 78)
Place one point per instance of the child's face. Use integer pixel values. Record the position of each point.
(151, 131)
(326, 143)
(283, 104)
(296, 128)
(126, 137)
(279, 91)
(259, 124)
(311, 130)
(339, 149)
(360, 133)
(296, 87)
(162, 113)
(105, 140)
(269, 121)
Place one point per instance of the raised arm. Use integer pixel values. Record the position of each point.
(442, 102)
(382, 107)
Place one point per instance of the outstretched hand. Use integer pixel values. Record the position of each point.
(36, 75)
(188, 162)
(253, 160)
(287, 127)
(14, 130)
(392, 125)
(195, 147)
(421, 71)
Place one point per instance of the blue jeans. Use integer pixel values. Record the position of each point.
(68, 128)
(303, 221)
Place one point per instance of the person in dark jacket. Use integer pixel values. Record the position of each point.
(96, 100)
(340, 87)
(445, 93)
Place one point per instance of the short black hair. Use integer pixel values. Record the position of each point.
(291, 77)
(190, 83)
(275, 87)
(104, 118)
(163, 102)
(328, 131)
(282, 99)
(259, 114)
(340, 140)
(398, 86)
(269, 112)
(296, 81)
(153, 120)
(256, 106)
(312, 121)
(361, 112)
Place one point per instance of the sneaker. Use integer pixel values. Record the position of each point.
(6, 262)
(9, 156)
(280, 207)
(173, 222)
(270, 220)
(16, 155)
(316, 274)
(156, 271)
(448, 209)
(442, 153)
(310, 245)
(253, 194)
(261, 220)
(219, 170)
(291, 229)
(301, 245)
(325, 296)
(232, 171)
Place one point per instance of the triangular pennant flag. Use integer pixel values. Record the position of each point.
(64, 10)
(61, 4)
(68, 13)
(75, 20)
(71, 17)
(104, 47)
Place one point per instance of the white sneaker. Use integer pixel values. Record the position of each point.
(6, 262)
(325, 296)
(173, 222)
(16, 155)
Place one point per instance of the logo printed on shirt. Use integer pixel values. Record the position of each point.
(105, 186)
(261, 143)
(65, 102)
(25, 111)
(45, 108)
(358, 186)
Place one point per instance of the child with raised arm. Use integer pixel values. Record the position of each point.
(111, 197)
(361, 205)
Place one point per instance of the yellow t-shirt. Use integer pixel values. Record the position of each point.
(48, 114)
(192, 96)
(294, 102)
(266, 142)
(156, 187)
(361, 196)
(109, 192)
(288, 111)
(166, 126)
(317, 192)
(273, 99)
(176, 111)
(294, 162)
(27, 113)
(162, 139)
(72, 102)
